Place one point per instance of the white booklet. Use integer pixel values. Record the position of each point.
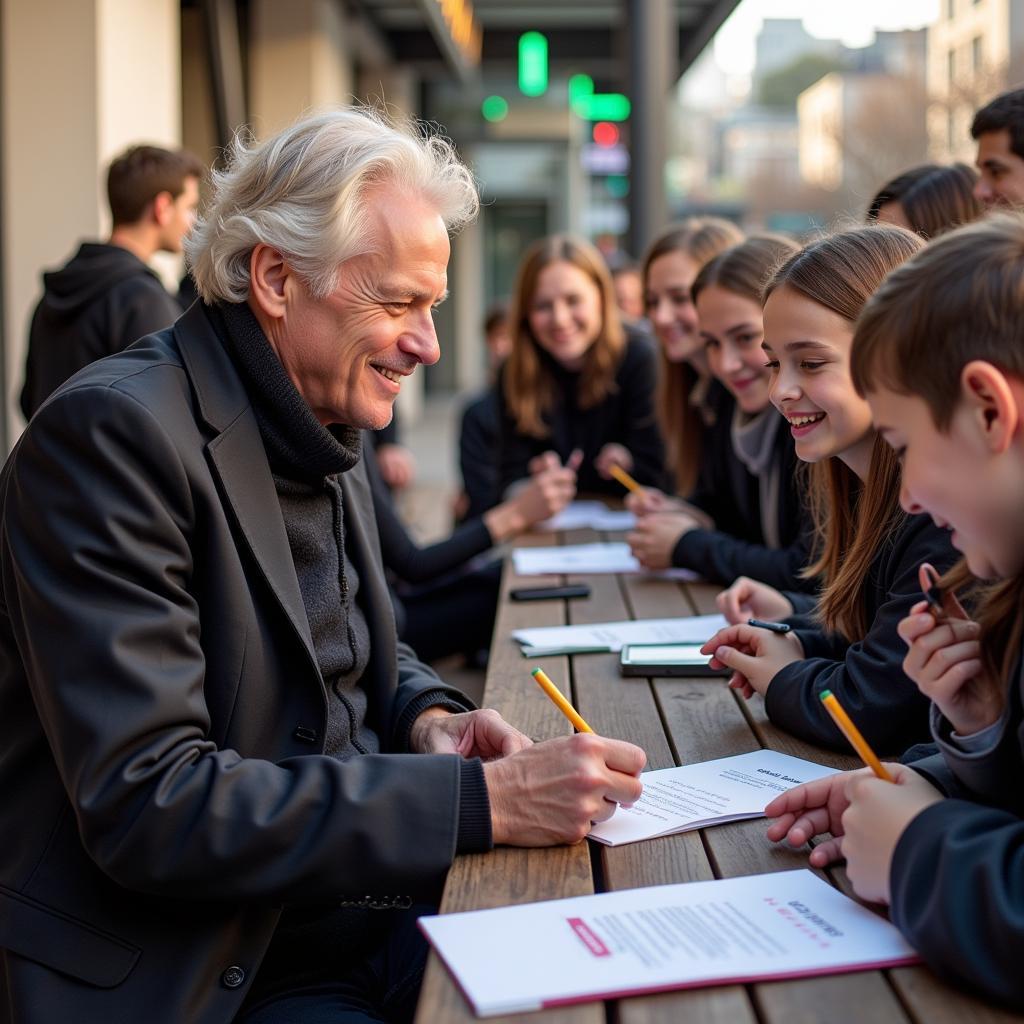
(710, 793)
(593, 515)
(539, 641)
(612, 557)
(787, 924)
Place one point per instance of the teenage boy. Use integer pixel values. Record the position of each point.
(938, 356)
(106, 296)
(998, 128)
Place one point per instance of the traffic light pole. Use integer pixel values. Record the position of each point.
(653, 36)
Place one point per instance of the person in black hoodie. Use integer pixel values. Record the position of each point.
(746, 515)
(868, 550)
(577, 387)
(944, 846)
(105, 297)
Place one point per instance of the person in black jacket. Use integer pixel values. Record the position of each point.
(577, 387)
(944, 847)
(747, 514)
(868, 549)
(443, 604)
(106, 296)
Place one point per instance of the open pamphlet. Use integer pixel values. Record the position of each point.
(540, 641)
(710, 793)
(613, 557)
(787, 924)
(593, 515)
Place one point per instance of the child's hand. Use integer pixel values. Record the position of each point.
(655, 537)
(649, 500)
(944, 659)
(864, 815)
(750, 599)
(612, 454)
(755, 656)
(877, 815)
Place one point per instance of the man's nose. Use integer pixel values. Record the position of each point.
(421, 342)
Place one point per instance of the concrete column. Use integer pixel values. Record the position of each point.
(81, 81)
(652, 43)
(298, 60)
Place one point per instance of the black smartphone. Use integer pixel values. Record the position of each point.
(549, 593)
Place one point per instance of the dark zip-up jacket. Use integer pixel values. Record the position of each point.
(98, 303)
(866, 676)
(957, 875)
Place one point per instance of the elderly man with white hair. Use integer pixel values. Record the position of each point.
(224, 785)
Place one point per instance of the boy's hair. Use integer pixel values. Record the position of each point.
(960, 299)
(140, 174)
(1004, 113)
(852, 522)
(933, 199)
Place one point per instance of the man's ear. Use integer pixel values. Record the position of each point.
(163, 207)
(992, 403)
(270, 279)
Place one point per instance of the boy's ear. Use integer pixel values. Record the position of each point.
(162, 206)
(994, 404)
(269, 281)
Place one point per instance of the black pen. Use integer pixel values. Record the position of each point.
(773, 627)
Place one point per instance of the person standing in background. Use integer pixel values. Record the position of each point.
(106, 296)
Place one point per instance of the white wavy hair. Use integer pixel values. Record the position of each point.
(302, 192)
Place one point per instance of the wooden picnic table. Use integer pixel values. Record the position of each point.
(677, 721)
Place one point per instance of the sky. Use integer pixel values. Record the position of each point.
(852, 23)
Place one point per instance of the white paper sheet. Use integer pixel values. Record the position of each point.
(610, 636)
(593, 515)
(590, 558)
(782, 925)
(710, 793)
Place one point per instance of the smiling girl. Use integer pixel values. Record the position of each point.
(868, 550)
(748, 487)
(578, 386)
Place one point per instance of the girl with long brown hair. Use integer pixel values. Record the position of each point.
(748, 485)
(867, 549)
(578, 386)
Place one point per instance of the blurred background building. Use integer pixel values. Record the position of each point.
(603, 117)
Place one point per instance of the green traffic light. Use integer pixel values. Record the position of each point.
(533, 64)
(494, 108)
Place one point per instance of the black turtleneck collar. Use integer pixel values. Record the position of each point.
(298, 445)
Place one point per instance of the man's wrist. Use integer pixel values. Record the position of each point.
(421, 723)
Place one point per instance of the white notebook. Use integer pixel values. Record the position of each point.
(709, 793)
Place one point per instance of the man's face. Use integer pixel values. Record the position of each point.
(348, 353)
(1002, 172)
(179, 216)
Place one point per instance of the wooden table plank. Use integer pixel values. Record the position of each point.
(508, 875)
(625, 707)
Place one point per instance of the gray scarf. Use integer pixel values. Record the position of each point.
(753, 441)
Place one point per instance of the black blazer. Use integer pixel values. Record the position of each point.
(867, 677)
(163, 791)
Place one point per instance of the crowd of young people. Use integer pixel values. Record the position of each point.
(812, 426)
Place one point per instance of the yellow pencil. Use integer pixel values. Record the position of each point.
(852, 733)
(625, 479)
(560, 702)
